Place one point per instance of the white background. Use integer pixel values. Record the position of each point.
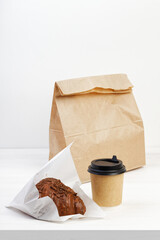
(45, 41)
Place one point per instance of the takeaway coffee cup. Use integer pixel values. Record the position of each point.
(107, 181)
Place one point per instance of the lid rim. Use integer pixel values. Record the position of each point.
(107, 173)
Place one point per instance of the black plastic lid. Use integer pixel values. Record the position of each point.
(107, 166)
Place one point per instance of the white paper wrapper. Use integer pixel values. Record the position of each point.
(61, 167)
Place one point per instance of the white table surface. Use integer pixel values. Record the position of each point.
(141, 196)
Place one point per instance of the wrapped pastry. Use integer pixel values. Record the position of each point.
(66, 200)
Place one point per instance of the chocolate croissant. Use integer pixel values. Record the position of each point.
(64, 197)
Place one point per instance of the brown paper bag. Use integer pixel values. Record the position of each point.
(100, 116)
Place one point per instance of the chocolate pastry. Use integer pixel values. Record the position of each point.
(64, 197)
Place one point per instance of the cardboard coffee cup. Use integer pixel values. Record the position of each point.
(107, 181)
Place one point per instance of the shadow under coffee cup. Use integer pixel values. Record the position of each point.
(107, 181)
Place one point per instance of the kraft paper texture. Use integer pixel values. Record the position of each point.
(100, 116)
(107, 190)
